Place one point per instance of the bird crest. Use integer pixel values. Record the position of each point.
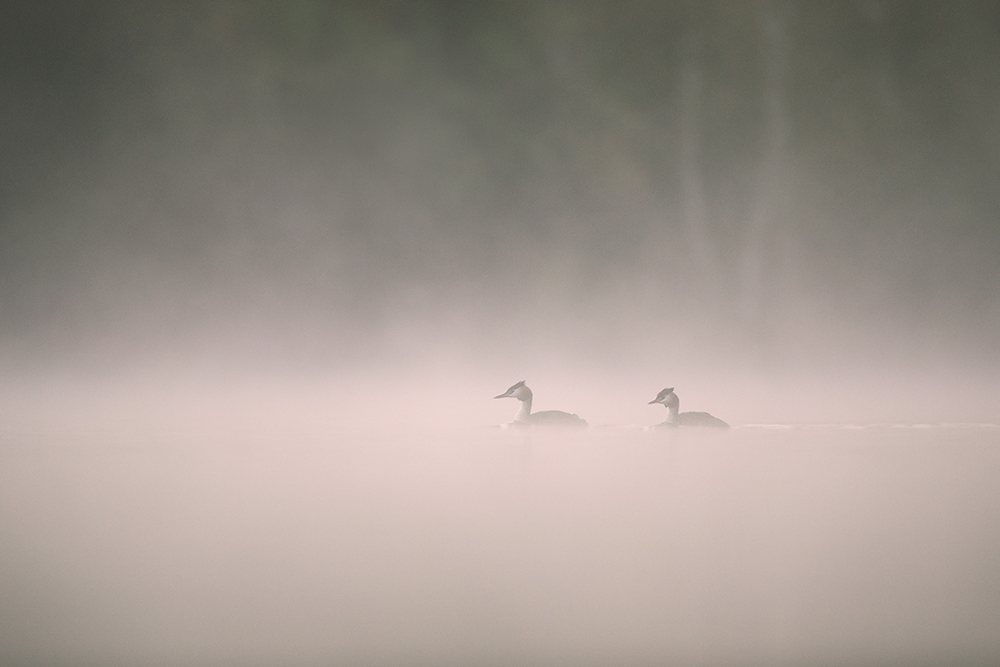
(663, 394)
(514, 391)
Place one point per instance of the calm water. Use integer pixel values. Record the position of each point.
(804, 545)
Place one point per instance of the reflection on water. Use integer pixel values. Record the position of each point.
(757, 545)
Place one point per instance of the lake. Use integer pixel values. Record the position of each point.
(759, 545)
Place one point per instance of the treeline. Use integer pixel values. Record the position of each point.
(738, 151)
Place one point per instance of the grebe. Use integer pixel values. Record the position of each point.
(525, 417)
(669, 399)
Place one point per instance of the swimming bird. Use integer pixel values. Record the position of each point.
(525, 417)
(673, 404)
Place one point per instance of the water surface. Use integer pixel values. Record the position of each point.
(757, 545)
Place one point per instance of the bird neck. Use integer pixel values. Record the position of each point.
(673, 405)
(525, 411)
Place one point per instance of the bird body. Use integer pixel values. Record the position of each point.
(525, 417)
(675, 417)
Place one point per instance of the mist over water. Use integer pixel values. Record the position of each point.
(749, 546)
(315, 189)
(263, 266)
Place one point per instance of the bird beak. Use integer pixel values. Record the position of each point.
(501, 396)
(652, 401)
